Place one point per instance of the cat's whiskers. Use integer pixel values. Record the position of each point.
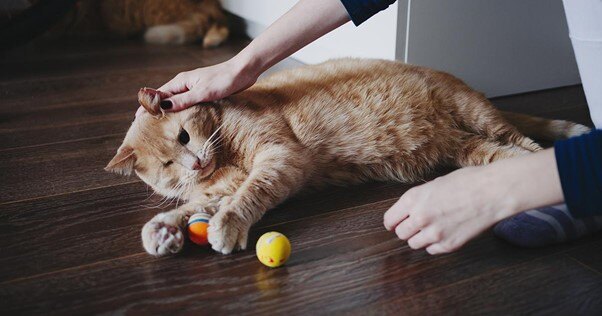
(169, 197)
(177, 198)
(175, 195)
(186, 192)
(160, 203)
(212, 149)
(150, 196)
(217, 139)
(188, 181)
(215, 132)
(210, 142)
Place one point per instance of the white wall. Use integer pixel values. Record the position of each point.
(497, 46)
(375, 38)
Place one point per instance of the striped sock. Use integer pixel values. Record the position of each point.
(545, 226)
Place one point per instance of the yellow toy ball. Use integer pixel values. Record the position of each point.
(273, 249)
(197, 228)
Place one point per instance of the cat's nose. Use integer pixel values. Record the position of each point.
(197, 165)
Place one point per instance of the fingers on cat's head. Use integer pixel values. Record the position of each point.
(150, 99)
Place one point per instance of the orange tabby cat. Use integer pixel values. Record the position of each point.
(340, 122)
(161, 21)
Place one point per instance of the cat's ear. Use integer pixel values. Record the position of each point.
(123, 162)
(150, 99)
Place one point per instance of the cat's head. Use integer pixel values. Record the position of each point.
(170, 152)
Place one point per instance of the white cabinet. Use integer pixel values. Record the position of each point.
(376, 38)
(499, 47)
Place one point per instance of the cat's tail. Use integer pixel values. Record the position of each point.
(544, 129)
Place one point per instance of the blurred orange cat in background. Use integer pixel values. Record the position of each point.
(159, 21)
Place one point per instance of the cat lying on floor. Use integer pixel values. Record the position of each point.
(341, 122)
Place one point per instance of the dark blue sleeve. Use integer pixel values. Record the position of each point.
(579, 161)
(361, 10)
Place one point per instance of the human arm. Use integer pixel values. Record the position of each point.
(310, 19)
(579, 162)
(443, 214)
(362, 10)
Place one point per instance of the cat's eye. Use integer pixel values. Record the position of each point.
(167, 164)
(183, 137)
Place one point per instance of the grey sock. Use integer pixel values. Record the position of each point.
(545, 226)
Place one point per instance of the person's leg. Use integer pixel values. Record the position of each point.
(550, 225)
(545, 226)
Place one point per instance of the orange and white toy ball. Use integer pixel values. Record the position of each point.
(273, 249)
(197, 228)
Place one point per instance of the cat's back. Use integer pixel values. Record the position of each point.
(351, 84)
(357, 109)
(343, 88)
(349, 72)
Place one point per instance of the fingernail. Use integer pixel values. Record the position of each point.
(166, 104)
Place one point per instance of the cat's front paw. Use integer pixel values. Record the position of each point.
(228, 231)
(165, 34)
(162, 235)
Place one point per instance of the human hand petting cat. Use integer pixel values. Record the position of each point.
(443, 214)
(207, 84)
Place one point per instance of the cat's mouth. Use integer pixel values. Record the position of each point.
(206, 169)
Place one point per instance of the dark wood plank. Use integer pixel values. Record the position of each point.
(92, 65)
(552, 285)
(539, 102)
(577, 114)
(590, 256)
(98, 58)
(66, 48)
(65, 91)
(567, 103)
(337, 256)
(43, 235)
(31, 127)
(31, 172)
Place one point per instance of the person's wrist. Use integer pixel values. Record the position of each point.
(500, 191)
(247, 64)
(509, 199)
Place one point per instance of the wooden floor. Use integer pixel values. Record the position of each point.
(69, 231)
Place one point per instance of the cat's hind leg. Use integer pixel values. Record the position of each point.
(476, 114)
(508, 134)
(475, 150)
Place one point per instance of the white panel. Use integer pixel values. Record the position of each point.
(376, 38)
(403, 24)
(497, 46)
(259, 11)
